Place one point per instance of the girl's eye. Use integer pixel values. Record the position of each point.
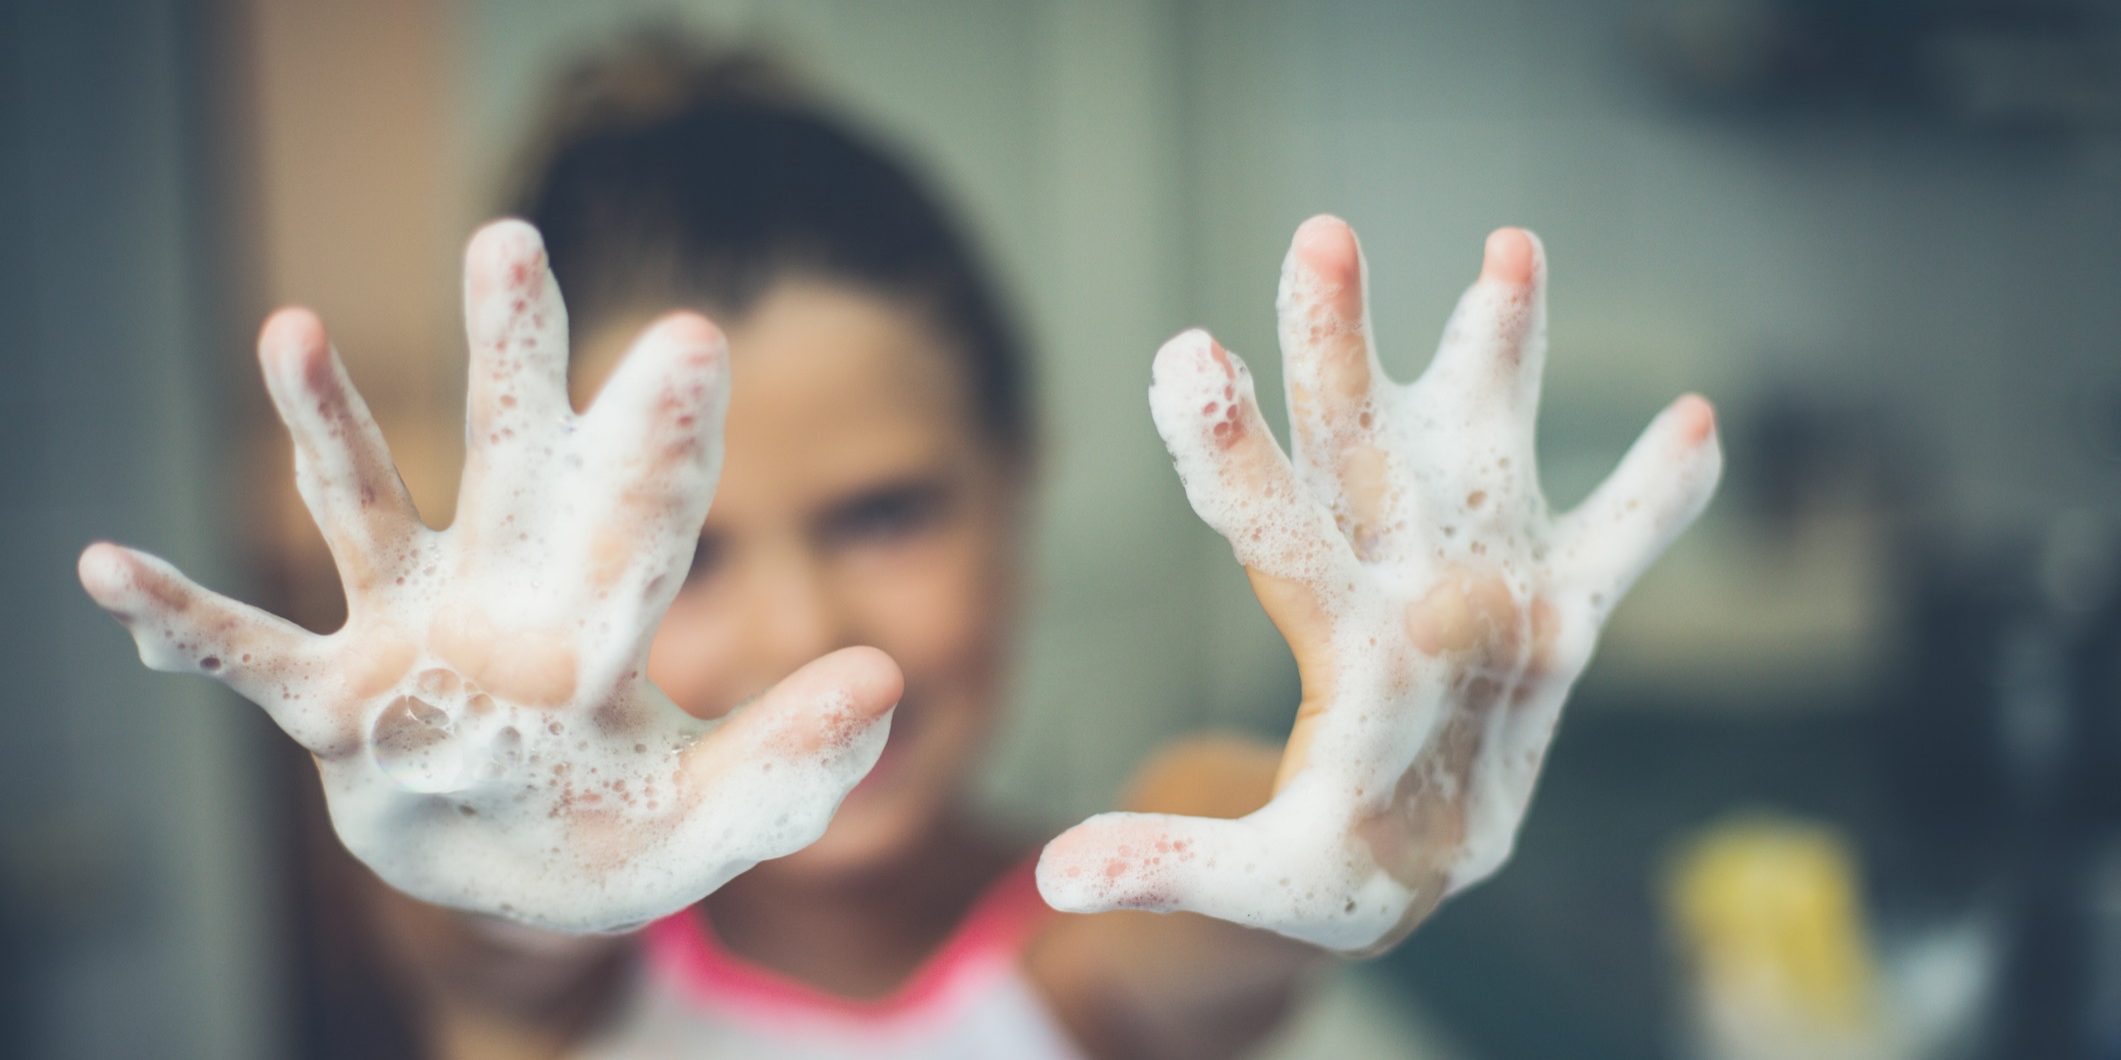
(884, 516)
(706, 556)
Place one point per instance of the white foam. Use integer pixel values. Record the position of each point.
(483, 725)
(1458, 612)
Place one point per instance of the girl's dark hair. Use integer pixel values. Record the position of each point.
(666, 175)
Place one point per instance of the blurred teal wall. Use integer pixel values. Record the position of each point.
(137, 903)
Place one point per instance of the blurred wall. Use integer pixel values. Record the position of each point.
(136, 897)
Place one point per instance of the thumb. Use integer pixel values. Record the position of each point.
(1159, 863)
(836, 706)
(1275, 869)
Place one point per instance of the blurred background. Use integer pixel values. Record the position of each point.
(1845, 778)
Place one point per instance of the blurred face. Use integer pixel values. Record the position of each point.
(859, 505)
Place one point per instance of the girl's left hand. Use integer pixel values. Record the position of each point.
(1437, 611)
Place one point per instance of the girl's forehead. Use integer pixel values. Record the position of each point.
(844, 351)
(811, 350)
(832, 388)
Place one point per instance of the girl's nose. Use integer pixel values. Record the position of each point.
(791, 615)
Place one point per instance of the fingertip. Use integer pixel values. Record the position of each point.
(871, 678)
(1327, 246)
(1118, 860)
(1695, 418)
(1184, 356)
(1320, 223)
(505, 253)
(827, 703)
(506, 238)
(1068, 875)
(105, 570)
(690, 331)
(1201, 394)
(291, 327)
(1065, 847)
(292, 338)
(688, 326)
(1512, 256)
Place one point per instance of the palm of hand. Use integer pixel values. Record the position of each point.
(484, 725)
(1437, 611)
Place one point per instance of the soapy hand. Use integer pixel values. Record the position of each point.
(1437, 611)
(483, 723)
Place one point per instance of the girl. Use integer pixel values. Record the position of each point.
(856, 571)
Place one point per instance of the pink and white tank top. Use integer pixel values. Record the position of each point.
(696, 999)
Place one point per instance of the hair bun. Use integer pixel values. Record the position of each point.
(667, 172)
(656, 75)
(654, 72)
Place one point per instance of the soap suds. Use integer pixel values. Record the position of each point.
(1460, 609)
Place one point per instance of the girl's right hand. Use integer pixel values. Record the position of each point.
(484, 725)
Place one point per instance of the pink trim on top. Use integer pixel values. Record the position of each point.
(683, 946)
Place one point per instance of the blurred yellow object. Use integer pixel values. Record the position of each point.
(1768, 912)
